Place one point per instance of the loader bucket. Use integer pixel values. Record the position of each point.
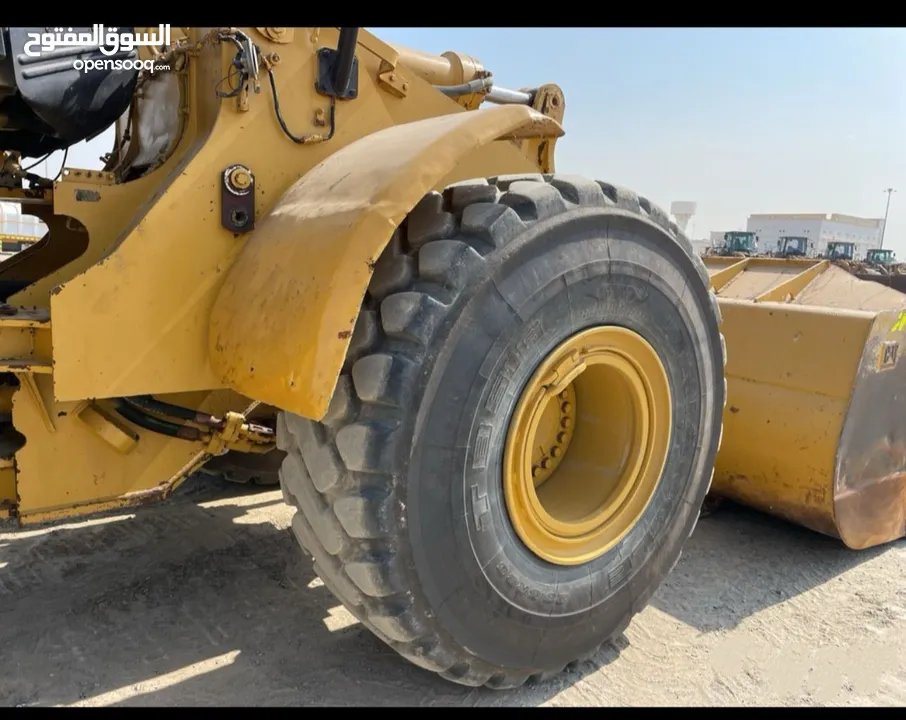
(897, 282)
(814, 426)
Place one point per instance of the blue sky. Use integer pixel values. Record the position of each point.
(739, 120)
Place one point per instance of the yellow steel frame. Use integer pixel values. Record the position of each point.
(316, 251)
(133, 273)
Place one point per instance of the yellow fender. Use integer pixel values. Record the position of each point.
(281, 324)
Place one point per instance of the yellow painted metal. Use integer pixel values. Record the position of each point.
(35, 366)
(73, 471)
(450, 68)
(789, 288)
(7, 487)
(79, 457)
(131, 268)
(108, 427)
(813, 430)
(346, 209)
(116, 332)
(25, 338)
(615, 384)
(8, 497)
(30, 385)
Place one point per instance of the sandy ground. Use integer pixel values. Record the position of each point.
(207, 601)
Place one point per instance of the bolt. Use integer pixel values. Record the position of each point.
(556, 452)
(535, 471)
(566, 407)
(405, 87)
(240, 179)
(545, 463)
(274, 58)
(561, 437)
(564, 395)
(392, 77)
(565, 423)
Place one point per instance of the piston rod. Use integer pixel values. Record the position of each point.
(502, 96)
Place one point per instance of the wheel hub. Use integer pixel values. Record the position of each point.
(587, 444)
(554, 433)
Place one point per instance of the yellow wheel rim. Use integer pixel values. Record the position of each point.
(587, 445)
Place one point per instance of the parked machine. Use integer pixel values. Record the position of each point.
(793, 247)
(880, 266)
(738, 244)
(498, 392)
(881, 257)
(840, 251)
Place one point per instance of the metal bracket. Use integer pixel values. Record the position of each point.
(324, 83)
(392, 80)
(237, 199)
(277, 34)
(241, 435)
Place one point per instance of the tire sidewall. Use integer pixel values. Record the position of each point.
(485, 587)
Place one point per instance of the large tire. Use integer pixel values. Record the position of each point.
(398, 491)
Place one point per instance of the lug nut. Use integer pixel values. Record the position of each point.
(561, 437)
(535, 471)
(556, 452)
(563, 395)
(565, 423)
(545, 463)
(565, 407)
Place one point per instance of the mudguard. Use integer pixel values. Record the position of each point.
(281, 324)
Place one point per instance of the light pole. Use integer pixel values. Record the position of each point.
(889, 191)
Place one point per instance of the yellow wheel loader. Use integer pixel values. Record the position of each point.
(496, 393)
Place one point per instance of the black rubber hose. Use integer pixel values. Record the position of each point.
(146, 402)
(154, 425)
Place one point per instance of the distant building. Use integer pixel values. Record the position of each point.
(717, 237)
(820, 229)
(700, 245)
(17, 231)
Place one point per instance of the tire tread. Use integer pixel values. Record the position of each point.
(341, 475)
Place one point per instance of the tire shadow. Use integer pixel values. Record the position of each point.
(739, 562)
(205, 600)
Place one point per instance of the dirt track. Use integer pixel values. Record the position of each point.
(207, 601)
